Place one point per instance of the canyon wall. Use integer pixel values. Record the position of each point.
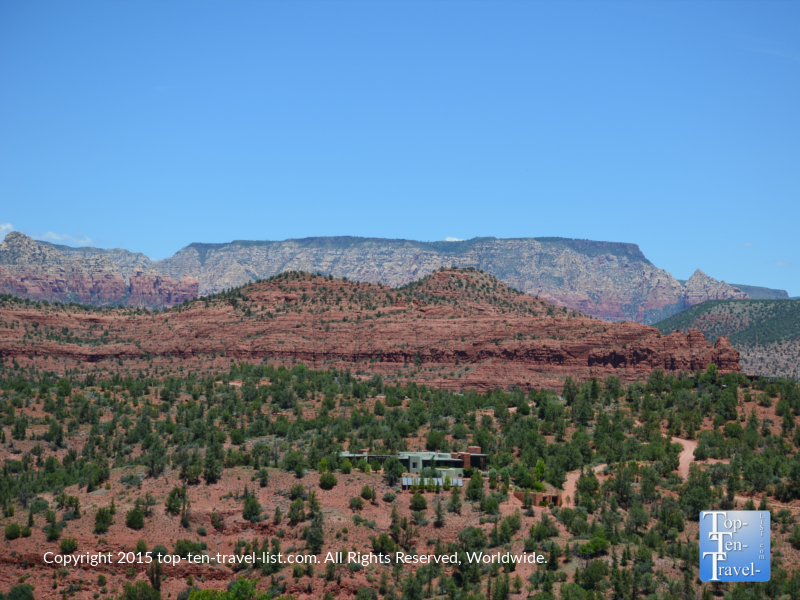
(29, 269)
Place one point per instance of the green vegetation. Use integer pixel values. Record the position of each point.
(134, 518)
(22, 591)
(13, 531)
(252, 508)
(297, 420)
(327, 481)
(761, 293)
(745, 322)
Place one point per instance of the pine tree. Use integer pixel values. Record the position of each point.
(439, 512)
(315, 537)
(314, 506)
(154, 574)
(455, 504)
(212, 469)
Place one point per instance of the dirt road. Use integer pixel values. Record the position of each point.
(571, 485)
(686, 459)
(687, 455)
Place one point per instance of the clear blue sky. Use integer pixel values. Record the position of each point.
(151, 125)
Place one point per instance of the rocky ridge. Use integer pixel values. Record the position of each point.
(612, 281)
(29, 269)
(702, 288)
(765, 332)
(453, 329)
(127, 263)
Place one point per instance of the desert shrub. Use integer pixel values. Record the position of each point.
(12, 531)
(418, 518)
(327, 481)
(184, 547)
(68, 545)
(134, 519)
(358, 520)
(293, 460)
(102, 519)
(131, 480)
(23, 591)
(186, 592)
(793, 539)
(252, 509)
(490, 505)
(418, 502)
(297, 512)
(365, 593)
(298, 490)
(263, 477)
(174, 500)
(52, 532)
(140, 590)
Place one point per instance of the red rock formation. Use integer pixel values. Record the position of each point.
(103, 287)
(37, 271)
(454, 329)
(148, 290)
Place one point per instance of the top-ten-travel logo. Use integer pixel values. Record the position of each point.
(734, 545)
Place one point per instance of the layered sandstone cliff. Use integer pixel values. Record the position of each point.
(612, 281)
(152, 290)
(125, 262)
(454, 329)
(29, 269)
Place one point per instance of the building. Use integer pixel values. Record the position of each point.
(449, 464)
(542, 499)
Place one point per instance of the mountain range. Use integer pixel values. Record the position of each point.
(40, 271)
(609, 280)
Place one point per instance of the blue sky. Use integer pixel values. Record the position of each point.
(151, 125)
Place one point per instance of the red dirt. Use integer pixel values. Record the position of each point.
(571, 485)
(687, 455)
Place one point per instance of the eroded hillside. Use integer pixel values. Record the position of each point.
(457, 328)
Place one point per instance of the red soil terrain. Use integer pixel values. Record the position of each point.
(23, 559)
(454, 329)
(25, 556)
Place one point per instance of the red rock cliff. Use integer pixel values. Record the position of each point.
(156, 290)
(454, 329)
(37, 271)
